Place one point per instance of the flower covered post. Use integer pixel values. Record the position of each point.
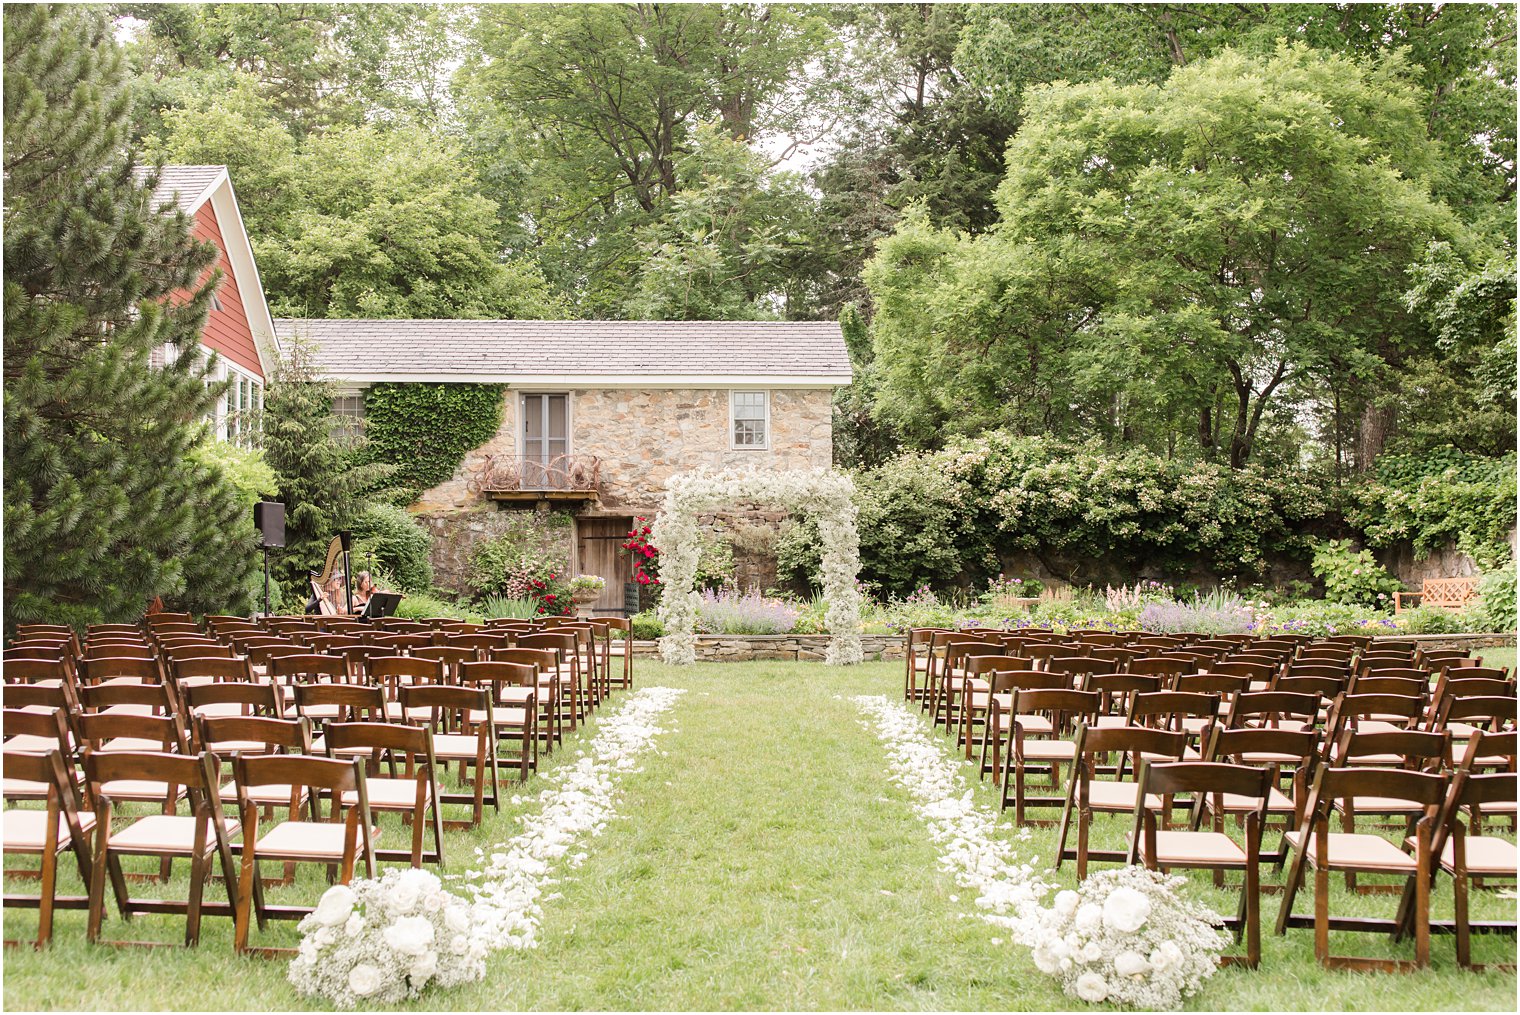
(826, 495)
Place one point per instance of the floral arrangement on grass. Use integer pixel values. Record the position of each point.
(728, 611)
(381, 941)
(1127, 937)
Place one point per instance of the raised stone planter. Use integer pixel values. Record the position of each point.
(739, 648)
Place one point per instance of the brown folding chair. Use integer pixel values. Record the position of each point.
(1273, 751)
(1315, 846)
(1058, 710)
(62, 825)
(1086, 795)
(514, 713)
(413, 794)
(1212, 850)
(341, 841)
(617, 647)
(197, 837)
(447, 710)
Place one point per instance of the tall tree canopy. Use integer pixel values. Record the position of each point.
(1169, 256)
(105, 504)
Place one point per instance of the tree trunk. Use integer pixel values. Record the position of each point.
(1373, 431)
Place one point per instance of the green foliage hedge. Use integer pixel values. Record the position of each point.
(1439, 496)
(1353, 577)
(387, 535)
(425, 430)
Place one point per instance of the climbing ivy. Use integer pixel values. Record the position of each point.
(425, 430)
(1442, 495)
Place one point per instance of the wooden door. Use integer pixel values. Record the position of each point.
(599, 544)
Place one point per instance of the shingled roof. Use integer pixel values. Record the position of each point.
(185, 186)
(626, 353)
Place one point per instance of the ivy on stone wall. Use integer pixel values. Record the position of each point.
(425, 430)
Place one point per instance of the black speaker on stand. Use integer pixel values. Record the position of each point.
(269, 519)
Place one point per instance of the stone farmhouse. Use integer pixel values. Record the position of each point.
(597, 416)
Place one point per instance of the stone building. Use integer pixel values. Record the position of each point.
(597, 415)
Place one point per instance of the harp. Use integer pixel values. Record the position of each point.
(336, 552)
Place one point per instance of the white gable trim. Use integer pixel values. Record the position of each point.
(229, 219)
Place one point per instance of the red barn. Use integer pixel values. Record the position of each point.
(239, 329)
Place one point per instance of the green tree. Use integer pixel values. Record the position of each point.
(323, 481)
(107, 503)
(1170, 256)
(360, 221)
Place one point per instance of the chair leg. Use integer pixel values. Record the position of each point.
(193, 903)
(1252, 891)
(49, 893)
(1084, 824)
(1322, 916)
(1463, 928)
(1290, 892)
(247, 887)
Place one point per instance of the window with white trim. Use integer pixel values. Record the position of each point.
(750, 420)
(348, 417)
(240, 410)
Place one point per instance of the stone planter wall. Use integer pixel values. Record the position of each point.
(726, 648)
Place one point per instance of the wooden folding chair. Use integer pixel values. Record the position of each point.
(1273, 751)
(1086, 795)
(1211, 850)
(550, 687)
(1315, 846)
(198, 837)
(999, 686)
(412, 794)
(566, 670)
(61, 825)
(616, 649)
(1058, 710)
(447, 710)
(514, 712)
(341, 841)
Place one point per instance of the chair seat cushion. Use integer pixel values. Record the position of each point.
(456, 746)
(387, 794)
(1048, 750)
(24, 789)
(27, 829)
(1486, 856)
(1182, 847)
(272, 794)
(296, 839)
(502, 716)
(1380, 805)
(1117, 796)
(1357, 851)
(1278, 802)
(131, 744)
(165, 833)
(29, 744)
(140, 789)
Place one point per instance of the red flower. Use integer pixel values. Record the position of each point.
(549, 597)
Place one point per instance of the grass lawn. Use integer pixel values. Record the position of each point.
(761, 860)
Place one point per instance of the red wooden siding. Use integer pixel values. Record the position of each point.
(227, 329)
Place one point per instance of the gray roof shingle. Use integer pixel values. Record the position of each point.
(371, 350)
(181, 185)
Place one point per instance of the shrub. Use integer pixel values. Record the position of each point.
(386, 536)
(1352, 577)
(646, 626)
(1012, 588)
(502, 608)
(1431, 620)
(423, 606)
(1221, 613)
(1444, 495)
(500, 568)
(726, 611)
(1496, 611)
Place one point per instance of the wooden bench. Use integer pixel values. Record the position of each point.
(1441, 593)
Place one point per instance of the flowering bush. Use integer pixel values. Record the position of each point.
(1127, 937)
(727, 611)
(1012, 588)
(1351, 576)
(381, 941)
(499, 569)
(1126, 598)
(1220, 613)
(646, 558)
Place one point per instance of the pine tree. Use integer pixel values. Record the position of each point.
(103, 508)
(323, 481)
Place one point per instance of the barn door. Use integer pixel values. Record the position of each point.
(599, 548)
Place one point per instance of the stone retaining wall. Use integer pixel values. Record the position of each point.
(725, 648)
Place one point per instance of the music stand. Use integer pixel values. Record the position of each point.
(380, 605)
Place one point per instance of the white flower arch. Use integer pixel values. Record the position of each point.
(826, 495)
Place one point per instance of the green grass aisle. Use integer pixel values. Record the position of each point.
(760, 860)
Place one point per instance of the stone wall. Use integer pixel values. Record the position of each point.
(457, 535)
(644, 436)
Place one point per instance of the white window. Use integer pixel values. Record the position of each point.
(239, 412)
(348, 410)
(750, 412)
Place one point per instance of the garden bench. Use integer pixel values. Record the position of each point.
(1441, 593)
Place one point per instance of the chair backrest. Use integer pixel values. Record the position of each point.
(333, 775)
(1079, 666)
(1418, 749)
(448, 656)
(258, 696)
(95, 728)
(1069, 705)
(201, 668)
(1127, 740)
(448, 702)
(1223, 684)
(153, 696)
(1496, 712)
(1237, 667)
(1235, 744)
(226, 734)
(1349, 708)
(358, 702)
(51, 724)
(1164, 778)
(400, 642)
(63, 793)
(1004, 681)
(1161, 666)
(981, 665)
(1272, 708)
(415, 743)
(544, 659)
(1328, 688)
(394, 669)
(265, 655)
(39, 696)
(1427, 789)
(1119, 689)
(28, 671)
(1167, 709)
(309, 667)
(143, 668)
(1383, 682)
(192, 771)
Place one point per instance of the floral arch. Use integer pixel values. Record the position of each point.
(827, 496)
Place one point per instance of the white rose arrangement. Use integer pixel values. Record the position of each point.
(1127, 937)
(381, 941)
